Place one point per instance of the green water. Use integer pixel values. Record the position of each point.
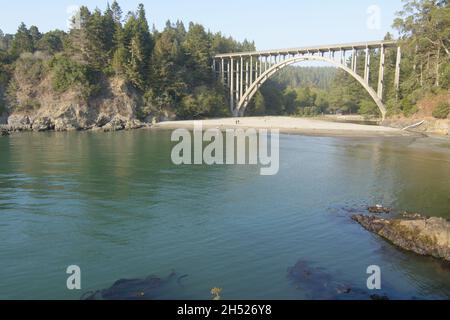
(116, 206)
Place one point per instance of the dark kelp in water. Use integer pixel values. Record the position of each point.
(320, 285)
(136, 289)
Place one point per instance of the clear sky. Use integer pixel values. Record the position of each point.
(271, 24)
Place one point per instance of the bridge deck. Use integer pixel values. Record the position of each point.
(305, 50)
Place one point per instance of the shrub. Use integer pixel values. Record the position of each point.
(368, 108)
(442, 110)
(205, 102)
(30, 68)
(29, 104)
(68, 73)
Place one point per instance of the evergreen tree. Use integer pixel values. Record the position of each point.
(23, 41)
(198, 50)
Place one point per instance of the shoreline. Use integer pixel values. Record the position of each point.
(291, 125)
(314, 127)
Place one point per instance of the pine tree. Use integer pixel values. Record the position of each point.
(138, 41)
(35, 36)
(23, 41)
(198, 48)
(116, 12)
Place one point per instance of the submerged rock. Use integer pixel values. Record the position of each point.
(134, 289)
(320, 285)
(424, 236)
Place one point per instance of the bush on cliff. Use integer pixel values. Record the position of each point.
(67, 73)
(442, 110)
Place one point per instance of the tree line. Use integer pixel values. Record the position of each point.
(170, 69)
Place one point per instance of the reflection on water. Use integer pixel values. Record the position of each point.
(116, 206)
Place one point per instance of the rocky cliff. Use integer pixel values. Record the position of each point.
(40, 108)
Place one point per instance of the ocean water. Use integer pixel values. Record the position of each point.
(116, 206)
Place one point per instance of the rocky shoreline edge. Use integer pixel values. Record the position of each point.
(103, 123)
(425, 236)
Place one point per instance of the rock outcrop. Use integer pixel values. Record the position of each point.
(3, 132)
(115, 108)
(424, 236)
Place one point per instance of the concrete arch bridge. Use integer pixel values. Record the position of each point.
(243, 73)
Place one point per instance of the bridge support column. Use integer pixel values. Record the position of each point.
(381, 73)
(241, 81)
(251, 69)
(222, 70)
(397, 70)
(247, 76)
(228, 74)
(367, 66)
(353, 66)
(237, 83)
(232, 85)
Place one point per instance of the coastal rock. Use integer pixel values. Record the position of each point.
(102, 120)
(4, 132)
(19, 122)
(64, 124)
(3, 119)
(424, 236)
(116, 124)
(379, 209)
(43, 124)
(133, 124)
(71, 118)
(119, 123)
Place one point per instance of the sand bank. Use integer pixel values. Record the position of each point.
(291, 125)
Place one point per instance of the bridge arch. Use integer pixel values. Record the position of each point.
(251, 91)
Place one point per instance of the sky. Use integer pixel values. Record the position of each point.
(272, 24)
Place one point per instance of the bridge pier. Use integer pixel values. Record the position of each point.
(397, 71)
(381, 73)
(367, 66)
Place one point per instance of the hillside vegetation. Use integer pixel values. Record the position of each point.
(111, 70)
(112, 65)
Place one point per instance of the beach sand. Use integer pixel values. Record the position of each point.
(291, 125)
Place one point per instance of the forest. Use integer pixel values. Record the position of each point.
(171, 69)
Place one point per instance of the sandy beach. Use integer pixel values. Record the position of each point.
(291, 125)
